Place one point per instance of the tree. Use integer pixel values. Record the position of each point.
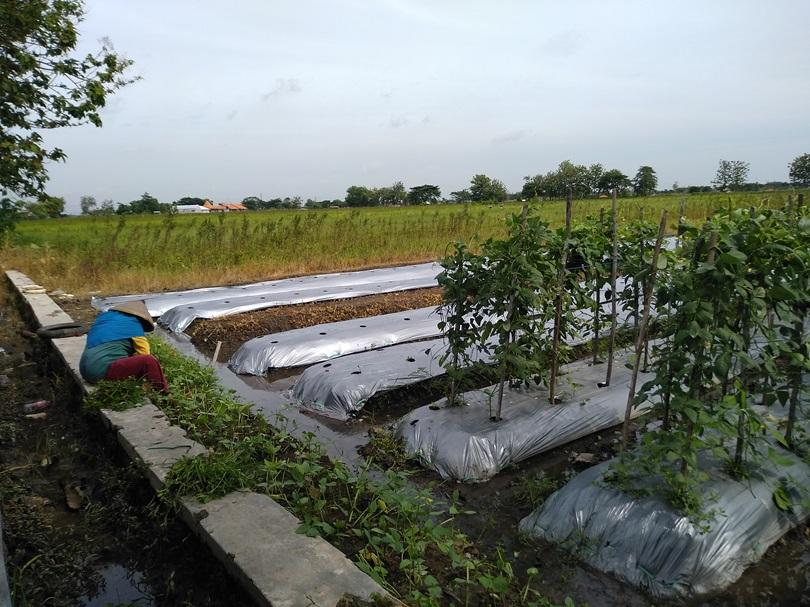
(390, 196)
(360, 196)
(9, 213)
(43, 85)
(731, 174)
(424, 194)
(107, 207)
(460, 196)
(799, 170)
(483, 188)
(613, 179)
(46, 207)
(645, 181)
(145, 204)
(87, 204)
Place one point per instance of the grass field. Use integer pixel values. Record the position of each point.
(158, 252)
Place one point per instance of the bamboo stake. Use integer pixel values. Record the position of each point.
(555, 354)
(509, 308)
(597, 288)
(796, 384)
(613, 272)
(216, 354)
(690, 426)
(642, 330)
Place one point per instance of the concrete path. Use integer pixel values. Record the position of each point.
(253, 536)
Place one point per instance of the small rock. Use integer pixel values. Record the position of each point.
(4, 381)
(584, 458)
(75, 494)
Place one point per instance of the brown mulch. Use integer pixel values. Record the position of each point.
(234, 330)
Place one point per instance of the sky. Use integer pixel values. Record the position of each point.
(307, 97)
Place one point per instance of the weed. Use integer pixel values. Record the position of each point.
(533, 490)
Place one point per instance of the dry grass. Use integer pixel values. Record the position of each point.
(153, 253)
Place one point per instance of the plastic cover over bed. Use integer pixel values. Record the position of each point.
(342, 386)
(322, 342)
(182, 307)
(648, 544)
(463, 443)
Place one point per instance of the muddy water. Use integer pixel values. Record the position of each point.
(782, 578)
(340, 440)
(120, 586)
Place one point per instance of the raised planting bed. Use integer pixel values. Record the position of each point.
(178, 310)
(311, 345)
(648, 543)
(233, 331)
(464, 443)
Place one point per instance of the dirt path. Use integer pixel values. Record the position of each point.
(112, 544)
(234, 330)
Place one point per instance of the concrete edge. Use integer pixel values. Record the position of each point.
(275, 565)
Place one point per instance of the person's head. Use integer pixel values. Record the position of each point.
(139, 310)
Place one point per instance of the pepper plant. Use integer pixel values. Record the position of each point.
(736, 312)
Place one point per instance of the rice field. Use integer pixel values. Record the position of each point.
(129, 254)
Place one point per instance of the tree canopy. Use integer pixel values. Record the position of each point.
(799, 170)
(43, 85)
(645, 181)
(731, 174)
(483, 188)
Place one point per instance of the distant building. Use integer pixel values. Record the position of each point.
(191, 208)
(224, 207)
(234, 206)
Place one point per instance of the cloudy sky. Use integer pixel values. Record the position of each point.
(308, 97)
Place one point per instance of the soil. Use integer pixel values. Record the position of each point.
(234, 330)
(116, 544)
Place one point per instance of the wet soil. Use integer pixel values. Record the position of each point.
(115, 544)
(234, 330)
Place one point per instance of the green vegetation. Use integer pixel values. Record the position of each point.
(130, 254)
(735, 337)
(398, 534)
(732, 306)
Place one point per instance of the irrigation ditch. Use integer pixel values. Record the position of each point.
(434, 541)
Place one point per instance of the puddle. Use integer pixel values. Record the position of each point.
(339, 439)
(120, 586)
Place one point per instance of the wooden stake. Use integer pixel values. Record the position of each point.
(598, 305)
(555, 348)
(642, 330)
(216, 354)
(614, 269)
(509, 308)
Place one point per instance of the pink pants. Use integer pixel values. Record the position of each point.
(141, 366)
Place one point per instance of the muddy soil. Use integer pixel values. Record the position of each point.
(81, 526)
(234, 330)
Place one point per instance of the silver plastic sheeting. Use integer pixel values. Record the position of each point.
(180, 317)
(647, 543)
(463, 443)
(322, 342)
(341, 387)
(160, 303)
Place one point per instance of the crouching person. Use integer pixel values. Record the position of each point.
(117, 347)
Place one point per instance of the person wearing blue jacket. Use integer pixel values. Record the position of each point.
(117, 347)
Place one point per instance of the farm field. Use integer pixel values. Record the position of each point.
(130, 254)
(720, 284)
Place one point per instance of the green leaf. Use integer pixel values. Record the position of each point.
(782, 499)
